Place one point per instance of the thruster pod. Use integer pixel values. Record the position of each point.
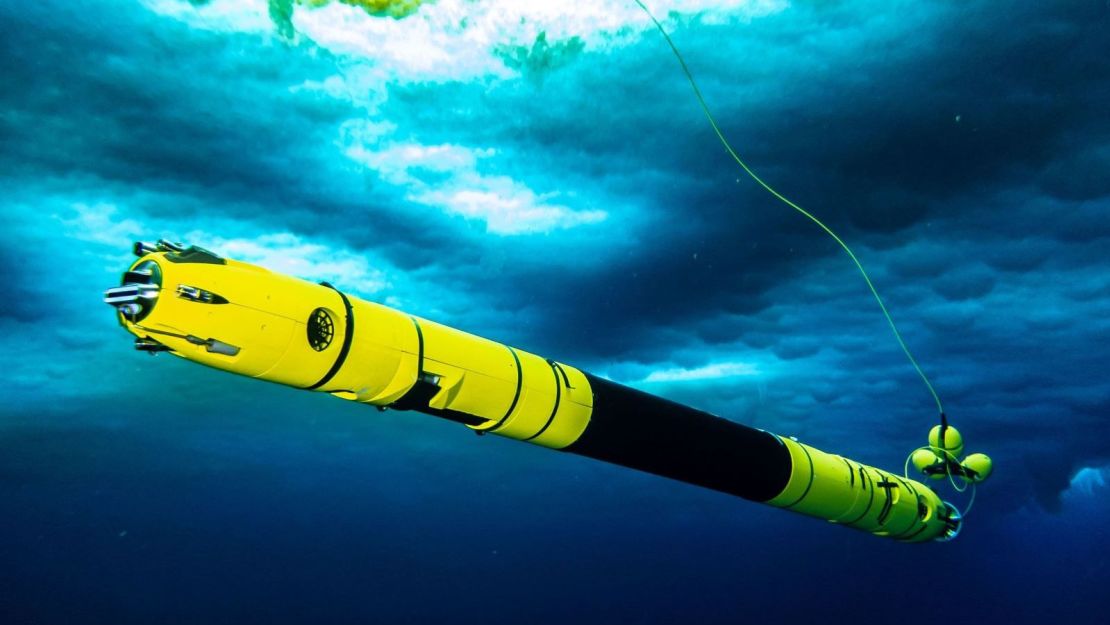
(248, 320)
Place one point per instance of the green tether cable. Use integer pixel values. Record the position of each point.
(772, 191)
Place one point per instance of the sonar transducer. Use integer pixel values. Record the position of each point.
(245, 319)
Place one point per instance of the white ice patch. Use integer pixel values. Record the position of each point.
(1088, 482)
(708, 372)
(447, 177)
(218, 15)
(450, 40)
(456, 39)
(292, 255)
(508, 207)
(283, 252)
(99, 223)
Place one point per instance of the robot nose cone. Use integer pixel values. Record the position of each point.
(139, 291)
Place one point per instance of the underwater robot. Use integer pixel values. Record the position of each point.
(251, 321)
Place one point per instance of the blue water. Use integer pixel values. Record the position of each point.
(561, 193)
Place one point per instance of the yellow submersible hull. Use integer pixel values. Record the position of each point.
(251, 321)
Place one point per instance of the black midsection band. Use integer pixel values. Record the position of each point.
(637, 430)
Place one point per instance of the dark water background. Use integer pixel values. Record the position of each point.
(324, 512)
(962, 147)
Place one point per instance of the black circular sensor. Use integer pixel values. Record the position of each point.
(321, 329)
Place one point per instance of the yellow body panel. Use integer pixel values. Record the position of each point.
(539, 388)
(841, 491)
(382, 364)
(270, 335)
(477, 376)
(515, 393)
